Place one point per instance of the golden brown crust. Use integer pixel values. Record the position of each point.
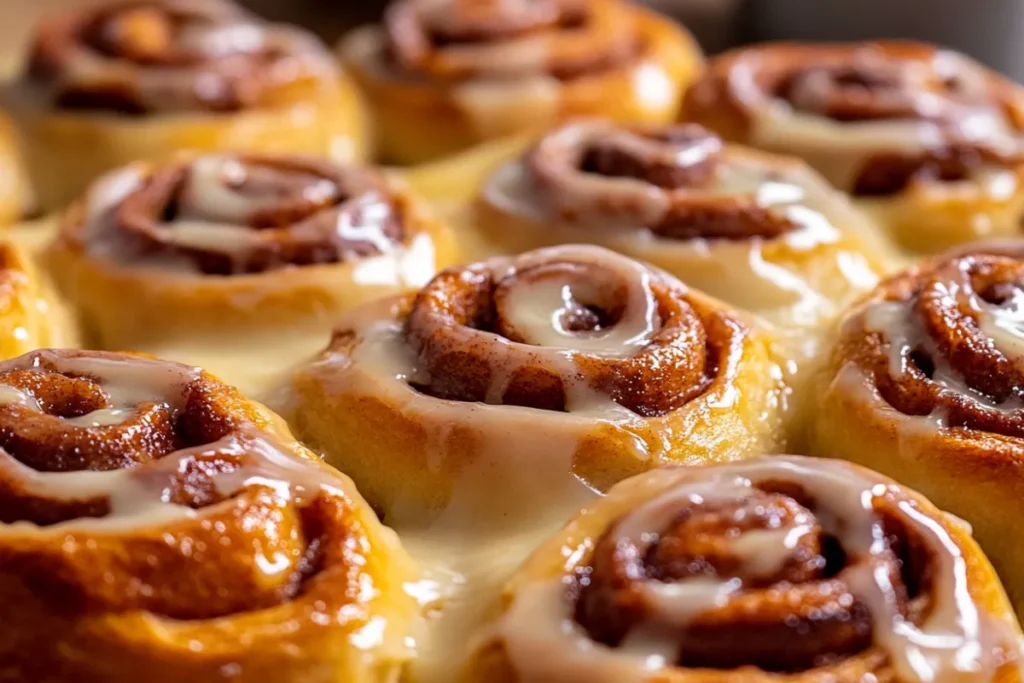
(925, 368)
(156, 520)
(636, 574)
(629, 370)
(224, 242)
(467, 73)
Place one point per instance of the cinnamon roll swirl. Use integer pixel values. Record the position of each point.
(443, 74)
(138, 79)
(782, 568)
(924, 384)
(220, 244)
(760, 232)
(927, 140)
(506, 390)
(152, 520)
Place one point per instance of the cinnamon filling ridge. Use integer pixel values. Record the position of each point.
(783, 601)
(553, 329)
(141, 56)
(868, 85)
(250, 214)
(944, 340)
(91, 438)
(461, 39)
(664, 180)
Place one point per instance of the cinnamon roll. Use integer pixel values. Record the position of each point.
(776, 569)
(508, 390)
(761, 232)
(441, 75)
(31, 316)
(924, 384)
(152, 520)
(226, 244)
(138, 79)
(927, 140)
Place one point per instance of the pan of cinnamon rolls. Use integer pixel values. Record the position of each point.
(505, 342)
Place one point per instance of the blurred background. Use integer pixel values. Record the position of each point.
(987, 29)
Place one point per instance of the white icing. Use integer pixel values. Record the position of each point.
(954, 641)
(764, 552)
(211, 191)
(139, 497)
(12, 396)
(536, 309)
(519, 454)
(839, 148)
(126, 382)
(214, 31)
(215, 211)
(738, 271)
(899, 327)
(101, 418)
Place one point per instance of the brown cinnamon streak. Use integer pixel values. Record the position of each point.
(137, 57)
(678, 164)
(786, 618)
(453, 322)
(944, 299)
(170, 450)
(860, 83)
(577, 37)
(290, 224)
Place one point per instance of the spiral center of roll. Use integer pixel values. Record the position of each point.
(768, 567)
(251, 193)
(559, 328)
(675, 157)
(141, 34)
(234, 215)
(460, 39)
(763, 539)
(682, 567)
(860, 91)
(665, 180)
(468, 21)
(64, 413)
(573, 305)
(955, 340)
(158, 35)
(150, 56)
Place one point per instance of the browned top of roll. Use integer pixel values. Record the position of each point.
(460, 39)
(870, 82)
(227, 214)
(168, 492)
(555, 328)
(788, 554)
(942, 339)
(144, 56)
(662, 179)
